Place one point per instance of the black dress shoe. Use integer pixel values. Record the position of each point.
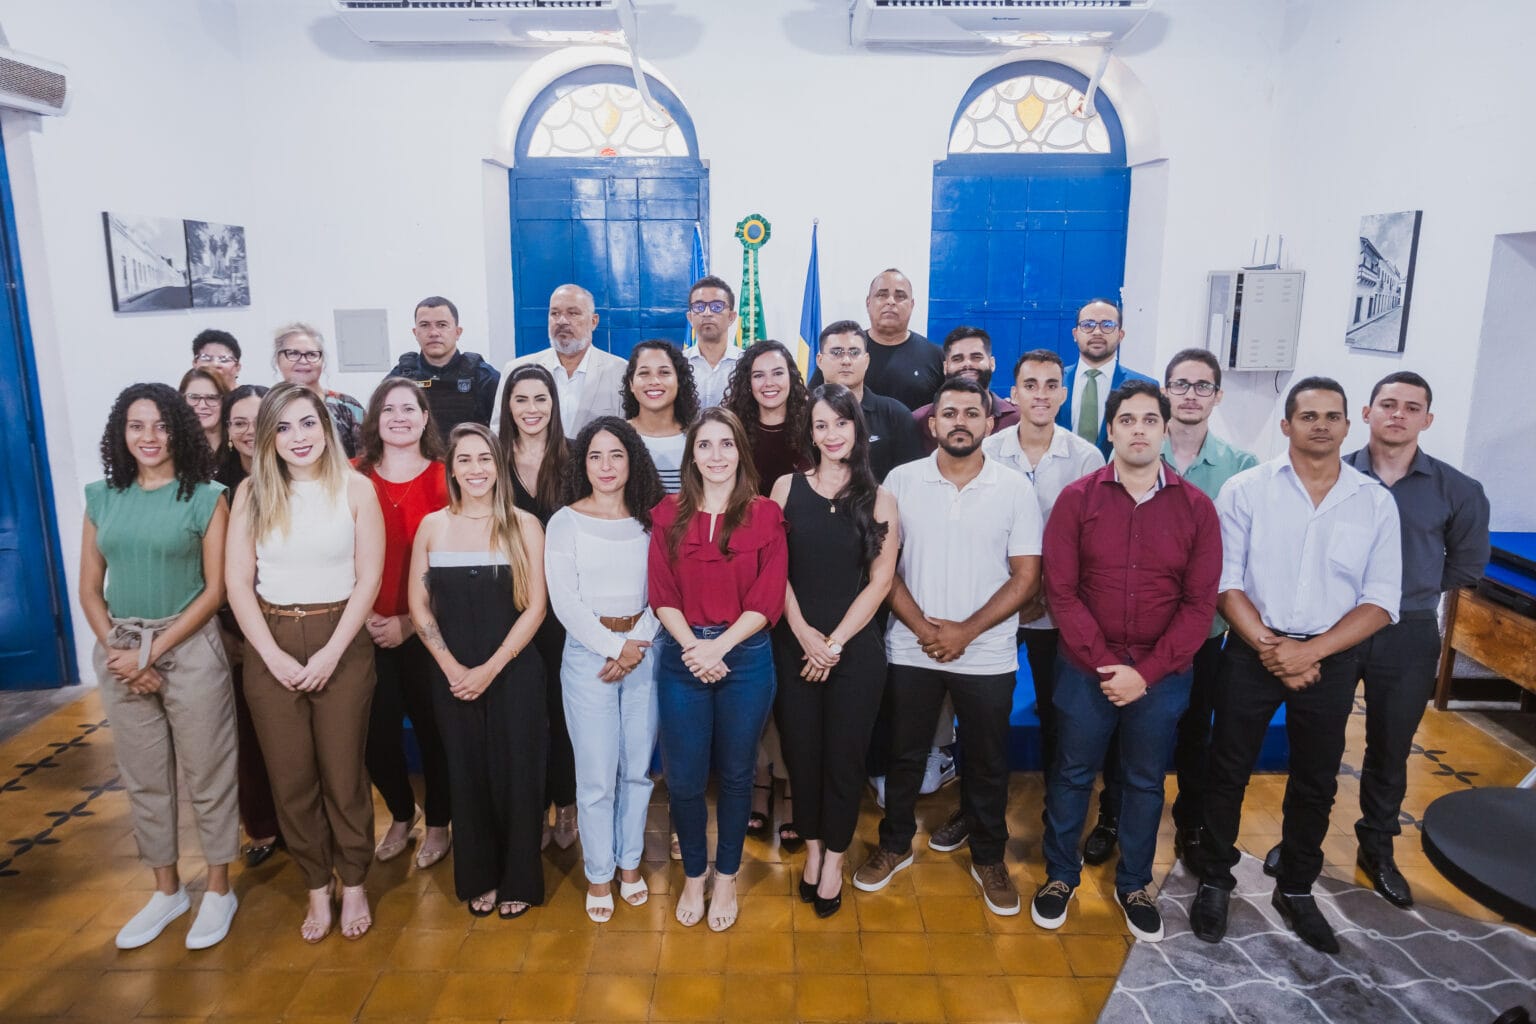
(255, 856)
(826, 908)
(807, 891)
(1386, 879)
(1302, 916)
(1186, 847)
(1272, 861)
(1208, 914)
(1100, 844)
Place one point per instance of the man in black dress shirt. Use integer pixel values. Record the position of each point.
(1444, 517)
(843, 358)
(903, 364)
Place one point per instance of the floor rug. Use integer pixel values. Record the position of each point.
(1419, 965)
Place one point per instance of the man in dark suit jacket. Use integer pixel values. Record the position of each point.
(1098, 333)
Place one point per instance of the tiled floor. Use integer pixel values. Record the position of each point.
(923, 950)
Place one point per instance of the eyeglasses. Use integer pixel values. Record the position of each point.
(1107, 326)
(713, 306)
(221, 360)
(295, 355)
(844, 354)
(1203, 388)
(211, 400)
(240, 426)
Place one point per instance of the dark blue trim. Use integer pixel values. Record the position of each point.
(1077, 80)
(594, 74)
(53, 555)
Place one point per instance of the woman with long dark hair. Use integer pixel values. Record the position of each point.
(305, 555)
(151, 579)
(533, 440)
(717, 571)
(831, 658)
(595, 559)
(204, 391)
(258, 813)
(403, 458)
(660, 402)
(477, 597)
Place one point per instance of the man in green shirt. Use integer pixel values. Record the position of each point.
(1193, 385)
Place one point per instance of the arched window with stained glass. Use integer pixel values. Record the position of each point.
(1031, 113)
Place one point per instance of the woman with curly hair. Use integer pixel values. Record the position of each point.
(298, 355)
(533, 439)
(204, 391)
(258, 813)
(403, 458)
(305, 556)
(716, 576)
(151, 580)
(660, 402)
(768, 395)
(830, 654)
(594, 560)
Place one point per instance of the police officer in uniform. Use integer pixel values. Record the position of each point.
(461, 386)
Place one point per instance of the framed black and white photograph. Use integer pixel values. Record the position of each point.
(147, 258)
(216, 255)
(1389, 247)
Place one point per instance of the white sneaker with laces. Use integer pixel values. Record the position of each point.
(940, 770)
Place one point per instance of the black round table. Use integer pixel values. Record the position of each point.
(1484, 841)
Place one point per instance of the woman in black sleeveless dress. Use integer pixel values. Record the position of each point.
(830, 655)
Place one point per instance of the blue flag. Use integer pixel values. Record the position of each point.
(697, 269)
(810, 312)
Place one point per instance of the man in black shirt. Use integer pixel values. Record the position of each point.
(903, 364)
(461, 386)
(844, 357)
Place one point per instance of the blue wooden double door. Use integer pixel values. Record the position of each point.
(1018, 245)
(621, 228)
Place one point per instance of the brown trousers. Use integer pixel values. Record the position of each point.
(314, 744)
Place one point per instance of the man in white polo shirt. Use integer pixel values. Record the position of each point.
(970, 558)
(1312, 566)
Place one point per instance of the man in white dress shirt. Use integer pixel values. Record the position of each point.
(712, 312)
(586, 379)
(1312, 566)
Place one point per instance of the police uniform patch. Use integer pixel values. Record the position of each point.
(464, 385)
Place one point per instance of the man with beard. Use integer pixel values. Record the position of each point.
(903, 364)
(970, 558)
(968, 352)
(586, 378)
(711, 311)
(1099, 330)
(1134, 553)
(460, 386)
(1312, 567)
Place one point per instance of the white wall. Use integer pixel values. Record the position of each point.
(360, 172)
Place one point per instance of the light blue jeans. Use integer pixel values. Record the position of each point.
(613, 731)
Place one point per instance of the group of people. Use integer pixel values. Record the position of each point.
(552, 569)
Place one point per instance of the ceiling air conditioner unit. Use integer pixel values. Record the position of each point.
(503, 22)
(32, 84)
(970, 25)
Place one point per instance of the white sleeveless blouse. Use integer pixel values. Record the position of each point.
(312, 563)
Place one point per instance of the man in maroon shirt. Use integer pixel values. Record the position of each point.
(1132, 558)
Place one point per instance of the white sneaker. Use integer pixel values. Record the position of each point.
(940, 770)
(145, 926)
(877, 783)
(213, 919)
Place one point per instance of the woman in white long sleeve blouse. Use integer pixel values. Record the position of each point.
(595, 564)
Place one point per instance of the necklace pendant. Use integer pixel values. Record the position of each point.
(834, 508)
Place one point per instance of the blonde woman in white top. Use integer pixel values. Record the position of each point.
(305, 555)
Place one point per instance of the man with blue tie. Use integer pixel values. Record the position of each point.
(1097, 372)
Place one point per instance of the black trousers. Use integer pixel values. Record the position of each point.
(824, 731)
(1040, 650)
(405, 688)
(1247, 697)
(1399, 665)
(982, 704)
(560, 772)
(1192, 739)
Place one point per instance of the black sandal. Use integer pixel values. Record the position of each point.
(759, 821)
(790, 843)
(507, 915)
(482, 912)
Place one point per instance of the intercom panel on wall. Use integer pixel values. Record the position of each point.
(1254, 318)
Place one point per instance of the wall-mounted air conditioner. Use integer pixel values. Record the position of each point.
(992, 24)
(1253, 317)
(32, 84)
(502, 22)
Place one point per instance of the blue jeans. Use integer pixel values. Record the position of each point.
(613, 731)
(1086, 721)
(717, 725)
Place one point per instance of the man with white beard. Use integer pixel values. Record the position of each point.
(586, 379)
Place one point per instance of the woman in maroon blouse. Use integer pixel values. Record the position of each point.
(718, 565)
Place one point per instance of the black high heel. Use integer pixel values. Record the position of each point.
(826, 908)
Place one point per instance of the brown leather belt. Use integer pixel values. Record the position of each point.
(299, 611)
(620, 623)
